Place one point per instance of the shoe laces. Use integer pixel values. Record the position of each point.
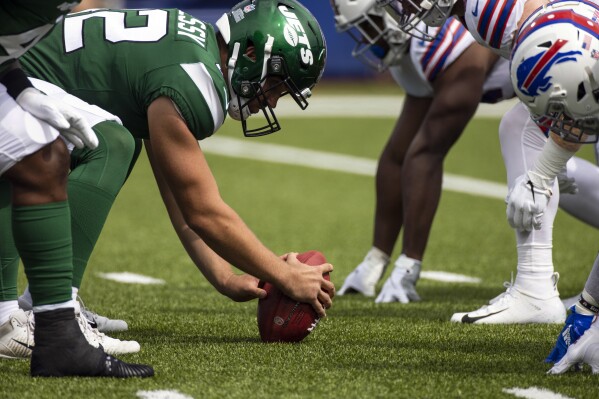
(29, 324)
(89, 331)
(507, 294)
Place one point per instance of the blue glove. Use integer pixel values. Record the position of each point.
(576, 325)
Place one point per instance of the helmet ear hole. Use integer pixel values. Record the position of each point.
(581, 92)
(250, 52)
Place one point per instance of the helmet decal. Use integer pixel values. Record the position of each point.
(275, 48)
(532, 73)
(554, 68)
(295, 33)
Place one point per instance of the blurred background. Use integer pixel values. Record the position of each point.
(340, 65)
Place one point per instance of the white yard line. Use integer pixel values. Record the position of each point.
(534, 393)
(447, 277)
(239, 148)
(162, 394)
(354, 106)
(131, 278)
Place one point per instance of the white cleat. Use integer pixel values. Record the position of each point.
(112, 346)
(585, 350)
(102, 323)
(515, 307)
(365, 276)
(16, 336)
(401, 285)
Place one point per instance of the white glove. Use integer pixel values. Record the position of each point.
(567, 185)
(526, 202)
(73, 127)
(401, 286)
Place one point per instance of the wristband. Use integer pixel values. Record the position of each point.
(15, 81)
(550, 162)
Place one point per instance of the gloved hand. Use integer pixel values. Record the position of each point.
(527, 201)
(401, 286)
(73, 127)
(567, 185)
(576, 325)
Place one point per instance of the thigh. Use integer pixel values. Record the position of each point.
(21, 134)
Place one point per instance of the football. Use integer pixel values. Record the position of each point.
(280, 318)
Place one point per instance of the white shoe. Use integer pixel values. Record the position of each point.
(16, 336)
(112, 346)
(585, 350)
(365, 276)
(401, 285)
(102, 323)
(513, 306)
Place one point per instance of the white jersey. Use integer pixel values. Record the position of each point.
(427, 60)
(494, 23)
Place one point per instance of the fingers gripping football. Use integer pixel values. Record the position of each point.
(311, 284)
(289, 314)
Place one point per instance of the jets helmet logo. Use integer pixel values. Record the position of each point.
(533, 72)
(295, 34)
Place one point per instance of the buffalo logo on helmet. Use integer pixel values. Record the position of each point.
(533, 72)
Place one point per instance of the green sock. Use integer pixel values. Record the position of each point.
(42, 234)
(89, 208)
(9, 257)
(95, 180)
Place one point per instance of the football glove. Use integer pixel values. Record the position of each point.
(576, 325)
(567, 185)
(401, 286)
(526, 202)
(73, 127)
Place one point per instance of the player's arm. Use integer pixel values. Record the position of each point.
(181, 162)
(216, 270)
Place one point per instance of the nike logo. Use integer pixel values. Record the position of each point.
(475, 11)
(532, 189)
(468, 319)
(25, 344)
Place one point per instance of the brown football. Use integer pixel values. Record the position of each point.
(282, 319)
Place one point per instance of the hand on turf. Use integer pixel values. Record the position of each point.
(400, 286)
(72, 126)
(576, 325)
(526, 204)
(242, 288)
(306, 284)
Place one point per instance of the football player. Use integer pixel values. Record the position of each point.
(444, 82)
(560, 41)
(418, 145)
(494, 25)
(561, 93)
(171, 79)
(35, 162)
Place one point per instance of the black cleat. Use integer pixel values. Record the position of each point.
(61, 350)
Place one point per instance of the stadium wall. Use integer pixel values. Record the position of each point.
(340, 64)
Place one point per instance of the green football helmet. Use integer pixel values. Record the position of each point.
(288, 45)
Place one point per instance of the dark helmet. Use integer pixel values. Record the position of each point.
(288, 43)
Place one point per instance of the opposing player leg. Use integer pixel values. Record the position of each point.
(388, 218)
(533, 297)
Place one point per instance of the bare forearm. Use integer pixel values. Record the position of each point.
(226, 233)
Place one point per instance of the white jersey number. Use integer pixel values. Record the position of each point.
(115, 28)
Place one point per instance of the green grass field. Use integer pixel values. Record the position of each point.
(205, 346)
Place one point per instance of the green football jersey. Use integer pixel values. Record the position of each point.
(122, 60)
(24, 22)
